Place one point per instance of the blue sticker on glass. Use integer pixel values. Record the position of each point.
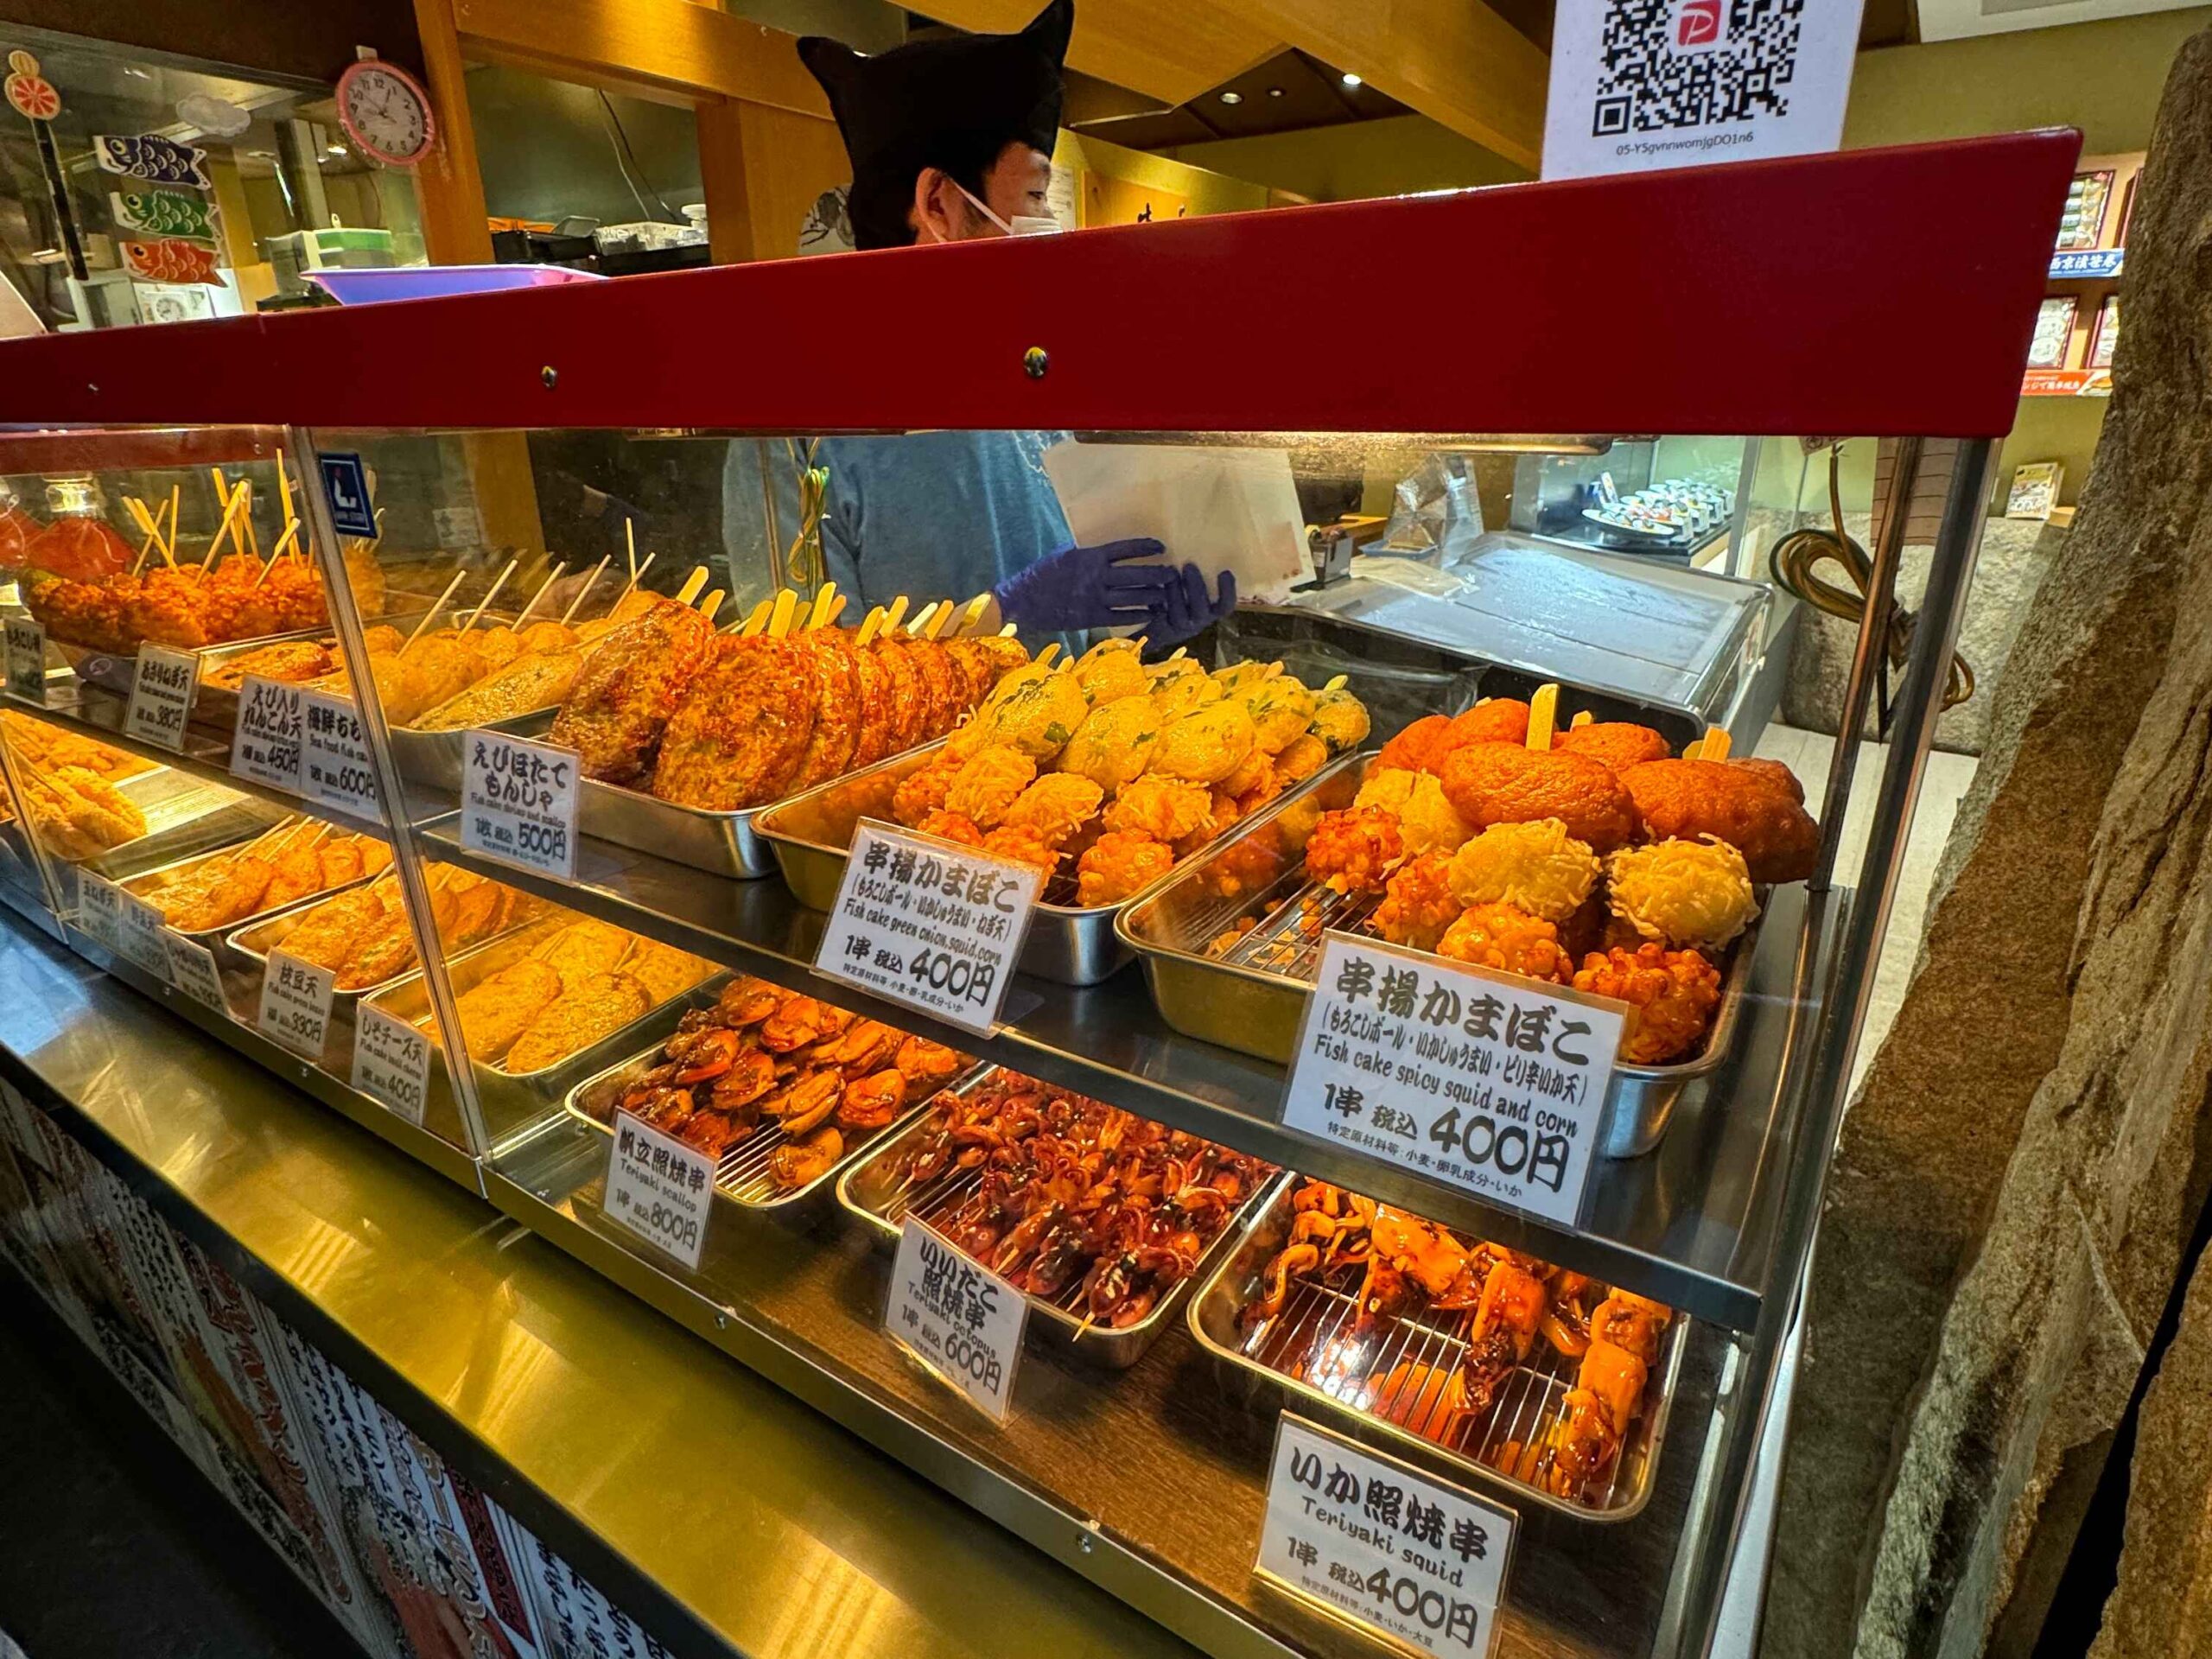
(345, 486)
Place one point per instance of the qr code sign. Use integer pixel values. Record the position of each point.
(1667, 64)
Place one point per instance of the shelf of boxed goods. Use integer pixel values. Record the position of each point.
(1690, 1224)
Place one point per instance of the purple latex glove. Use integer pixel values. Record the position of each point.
(1185, 610)
(1080, 587)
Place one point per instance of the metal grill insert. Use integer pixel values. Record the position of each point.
(1286, 940)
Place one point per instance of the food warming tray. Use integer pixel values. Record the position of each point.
(742, 1176)
(511, 1099)
(255, 942)
(147, 884)
(874, 1191)
(1252, 995)
(1520, 1418)
(183, 817)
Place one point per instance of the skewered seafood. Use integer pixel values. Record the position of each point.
(1075, 1201)
(1751, 805)
(364, 938)
(77, 813)
(287, 863)
(631, 684)
(1671, 997)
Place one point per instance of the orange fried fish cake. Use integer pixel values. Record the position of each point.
(1619, 744)
(737, 738)
(941, 682)
(907, 709)
(1417, 748)
(878, 722)
(1495, 720)
(1503, 783)
(838, 707)
(1742, 802)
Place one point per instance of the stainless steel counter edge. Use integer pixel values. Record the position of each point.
(725, 1515)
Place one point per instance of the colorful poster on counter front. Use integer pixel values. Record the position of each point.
(150, 156)
(1639, 85)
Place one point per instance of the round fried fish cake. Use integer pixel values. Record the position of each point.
(838, 707)
(941, 682)
(979, 670)
(872, 738)
(907, 710)
(737, 737)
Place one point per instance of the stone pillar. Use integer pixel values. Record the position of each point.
(2013, 1184)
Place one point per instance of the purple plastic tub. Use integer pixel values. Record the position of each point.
(437, 281)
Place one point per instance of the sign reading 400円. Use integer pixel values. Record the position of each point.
(1492, 1082)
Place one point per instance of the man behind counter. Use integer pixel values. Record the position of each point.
(950, 140)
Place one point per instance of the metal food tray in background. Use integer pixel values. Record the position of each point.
(1503, 1447)
(1252, 995)
(511, 1099)
(183, 817)
(876, 1192)
(741, 1176)
(149, 883)
(254, 944)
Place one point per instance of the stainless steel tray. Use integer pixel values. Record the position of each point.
(721, 843)
(742, 1178)
(183, 817)
(511, 1099)
(813, 831)
(874, 1191)
(254, 943)
(147, 883)
(1520, 1417)
(1251, 996)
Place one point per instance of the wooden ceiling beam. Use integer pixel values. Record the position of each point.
(672, 51)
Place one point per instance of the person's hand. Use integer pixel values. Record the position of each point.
(1080, 587)
(1183, 610)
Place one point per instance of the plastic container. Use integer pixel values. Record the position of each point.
(440, 282)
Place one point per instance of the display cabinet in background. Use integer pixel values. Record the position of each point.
(1406, 1055)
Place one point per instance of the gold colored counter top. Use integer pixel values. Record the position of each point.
(775, 1530)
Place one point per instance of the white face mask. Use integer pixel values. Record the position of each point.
(1023, 224)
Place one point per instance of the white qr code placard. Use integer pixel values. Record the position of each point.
(1639, 85)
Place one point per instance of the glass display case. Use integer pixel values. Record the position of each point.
(1677, 499)
(1436, 1061)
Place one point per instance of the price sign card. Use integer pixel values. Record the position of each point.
(518, 802)
(265, 747)
(391, 1062)
(140, 933)
(161, 696)
(99, 909)
(1380, 1543)
(1494, 1082)
(660, 1189)
(296, 1004)
(960, 1319)
(26, 642)
(192, 971)
(929, 923)
(334, 765)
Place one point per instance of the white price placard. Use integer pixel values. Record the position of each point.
(958, 1318)
(518, 802)
(929, 923)
(1492, 1081)
(335, 767)
(161, 688)
(99, 909)
(192, 971)
(391, 1062)
(265, 744)
(296, 1004)
(139, 934)
(26, 642)
(1414, 1558)
(660, 1189)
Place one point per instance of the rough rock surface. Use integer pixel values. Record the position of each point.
(2032, 1118)
(2161, 1606)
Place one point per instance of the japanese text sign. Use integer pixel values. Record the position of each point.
(959, 1319)
(334, 765)
(391, 1062)
(296, 1004)
(26, 642)
(1379, 1543)
(99, 909)
(265, 743)
(518, 802)
(660, 1189)
(139, 931)
(929, 923)
(192, 971)
(1489, 1081)
(161, 696)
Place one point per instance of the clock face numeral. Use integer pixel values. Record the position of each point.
(387, 114)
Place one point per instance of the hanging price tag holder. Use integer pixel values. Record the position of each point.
(391, 1062)
(26, 642)
(962, 1321)
(296, 1004)
(929, 923)
(335, 768)
(162, 689)
(1382, 1545)
(1491, 1082)
(660, 1189)
(192, 971)
(518, 802)
(265, 745)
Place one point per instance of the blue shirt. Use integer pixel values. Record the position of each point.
(931, 514)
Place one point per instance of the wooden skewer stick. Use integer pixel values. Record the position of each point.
(819, 611)
(1714, 745)
(174, 493)
(1337, 682)
(755, 619)
(871, 625)
(971, 615)
(636, 576)
(244, 492)
(291, 534)
(544, 588)
(694, 585)
(896, 614)
(498, 583)
(1543, 717)
(1581, 720)
(922, 620)
(1043, 658)
(630, 546)
(828, 619)
(584, 592)
(285, 489)
(712, 603)
(1008, 632)
(780, 619)
(430, 615)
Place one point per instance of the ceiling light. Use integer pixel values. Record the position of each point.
(1274, 91)
(1350, 79)
(1232, 98)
